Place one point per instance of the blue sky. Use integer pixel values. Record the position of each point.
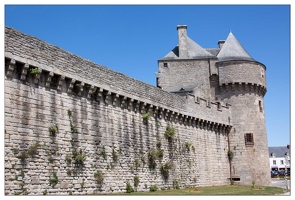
(131, 39)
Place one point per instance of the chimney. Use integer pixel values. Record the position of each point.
(182, 41)
(220, 43)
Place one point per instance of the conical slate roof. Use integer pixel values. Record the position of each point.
(194, 51)
(233, 50)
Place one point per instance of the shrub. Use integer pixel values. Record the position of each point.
(34, 70)
(152, 156)
(136, 181)
(165, 170)
(79, 157)
(33, 149)
(53, 130)
(169, 133)
(53, 181)
(253, 184)
(129, 189)
(230, 155)
(23, 156)
(153, 188)
(176, 184)
(99, 177)
(146, 115)
(160, 153)
(188, 145)
(159, 144)
(103, 153)
(69, 158)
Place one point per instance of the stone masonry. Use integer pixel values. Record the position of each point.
(75, 127)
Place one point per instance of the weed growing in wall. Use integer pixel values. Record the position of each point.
(152, 157)
(188, 145)
(176, 184)
(169, 133)
(99, 177)
(103, 153)
(33, 149)
(79, 157)
(34, 70)
(136, 181)
(165, 170)
(69, 158)
(53, 130)
(53, 181)
(23, 156)
(230, 155)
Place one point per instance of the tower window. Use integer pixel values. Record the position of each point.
(249, 139)
(260, 106)
(274, 162)
(165, 64)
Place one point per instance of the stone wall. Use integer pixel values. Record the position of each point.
(74, 118)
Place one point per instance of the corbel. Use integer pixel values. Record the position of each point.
(108, 98)
(24, 72)
(81, 88)
(11, 68)
(48, 80)
(71, 86)
(60, 82)
(90, 91)
(37, 76)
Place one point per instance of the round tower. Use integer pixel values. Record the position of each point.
(242, 84)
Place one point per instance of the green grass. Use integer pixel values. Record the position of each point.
(216, 190)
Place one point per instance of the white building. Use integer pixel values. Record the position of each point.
(277, 158)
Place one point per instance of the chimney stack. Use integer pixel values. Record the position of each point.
(220, 43)
(182, 41)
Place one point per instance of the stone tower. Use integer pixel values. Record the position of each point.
(230, 75)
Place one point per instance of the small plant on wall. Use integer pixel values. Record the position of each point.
(34, 70)
(169, 133)
(99, 178)
(230, 155)
(53, 181)
(146, 116)
(152, 157)
(188, 145)
(79, 157)
(53, 130)
(165, 170)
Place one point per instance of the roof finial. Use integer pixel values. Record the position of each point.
(230, 31)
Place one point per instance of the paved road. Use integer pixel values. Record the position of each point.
(281, 184)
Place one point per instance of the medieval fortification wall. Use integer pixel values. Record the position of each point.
(67, 120)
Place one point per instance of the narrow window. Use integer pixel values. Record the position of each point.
(165, 64)
(218, 105)
(249, 140)
(260, 106)
(282, 162)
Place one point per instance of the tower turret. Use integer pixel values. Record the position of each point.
(242, 84)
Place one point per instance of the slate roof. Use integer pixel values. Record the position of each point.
(195, 51)
(279, 151)
(233, 50)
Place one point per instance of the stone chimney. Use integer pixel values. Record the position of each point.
(182, 41)
(220, 43)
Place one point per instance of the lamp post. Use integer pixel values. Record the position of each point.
(286, 162)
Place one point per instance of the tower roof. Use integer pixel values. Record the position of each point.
(194, 51)
(233, 50)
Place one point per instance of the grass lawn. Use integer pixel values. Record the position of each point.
(216, 190)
